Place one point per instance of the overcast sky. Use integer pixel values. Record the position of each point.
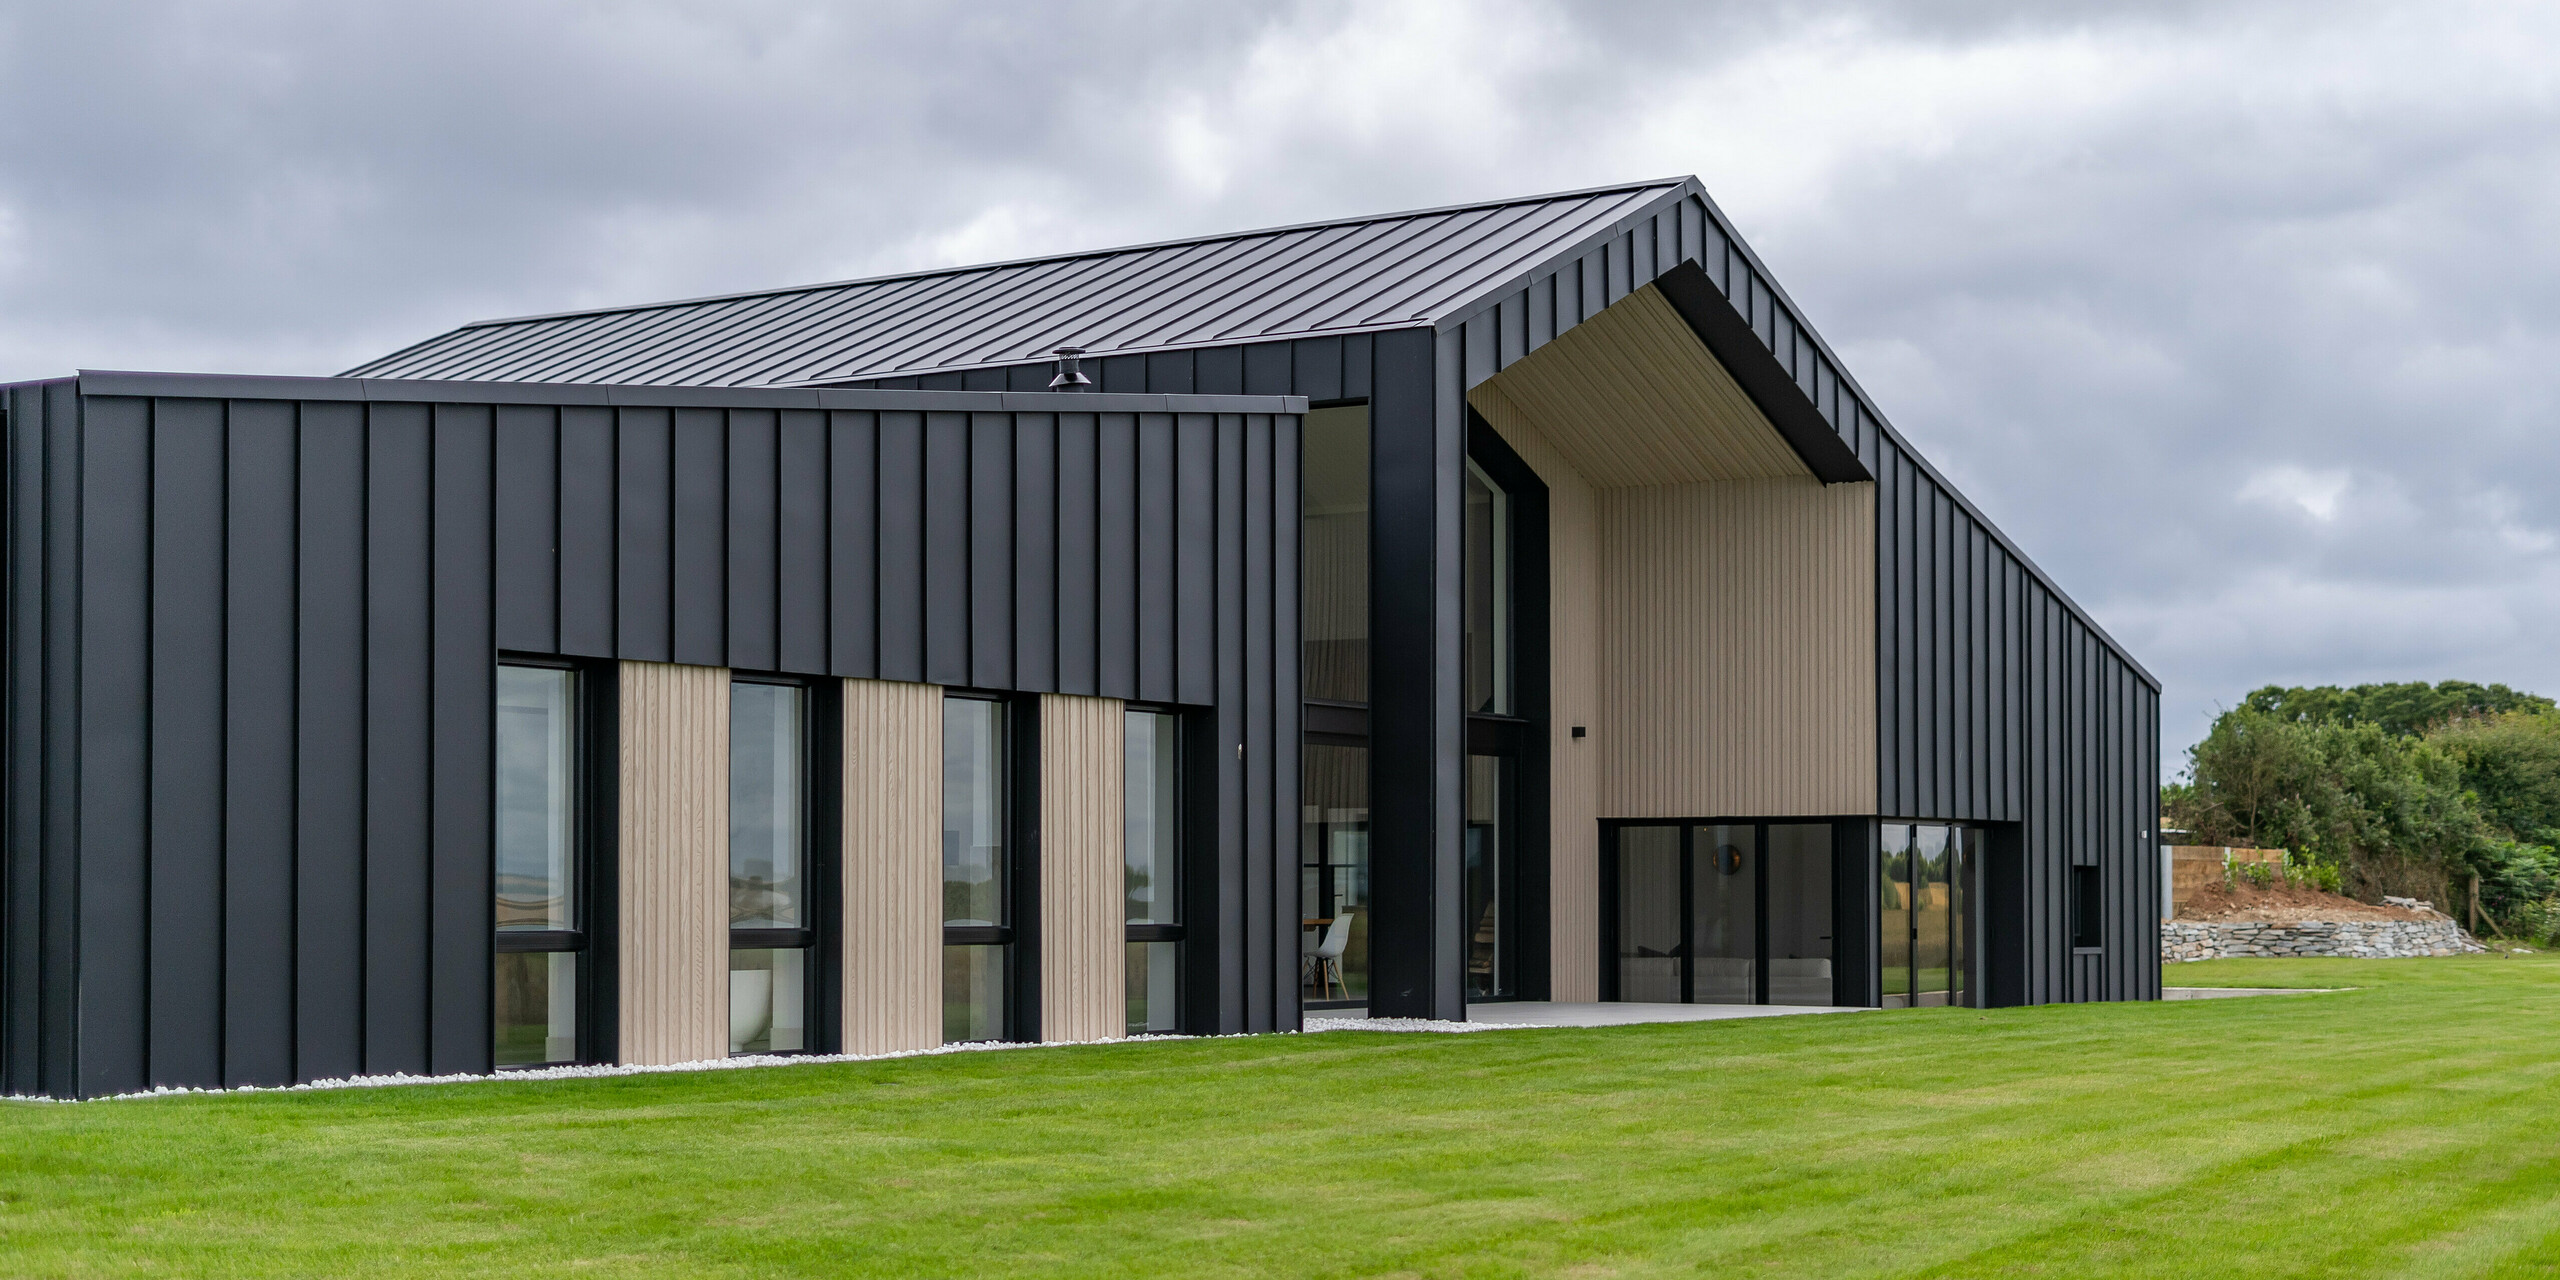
(2240, 318)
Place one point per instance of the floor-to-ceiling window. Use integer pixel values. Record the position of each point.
(1333, 838)
(1151, 817)
(1496, 736)
(977, 867)
(540, 909)
(1923, 946)
(769, 921)
(1719, 913)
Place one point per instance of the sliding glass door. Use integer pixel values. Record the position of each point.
(1720, 913)
(1923, 942)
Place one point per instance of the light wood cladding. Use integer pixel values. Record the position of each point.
(1083, 891)
(1573, 612)
(1737, 661)
(673, 868)
(892, 866)
(1632, 397)
(1711, 604)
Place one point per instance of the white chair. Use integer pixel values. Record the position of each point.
(1324, 964)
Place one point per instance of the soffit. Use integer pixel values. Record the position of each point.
(1631, 397)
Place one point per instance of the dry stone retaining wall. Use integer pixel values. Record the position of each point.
(2355, 939)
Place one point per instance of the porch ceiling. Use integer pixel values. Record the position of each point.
(1632, 397)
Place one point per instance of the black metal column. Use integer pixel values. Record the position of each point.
(1416, 725)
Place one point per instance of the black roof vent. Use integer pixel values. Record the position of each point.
(1069, 379)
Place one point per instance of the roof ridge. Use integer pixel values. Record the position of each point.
(1144, 247)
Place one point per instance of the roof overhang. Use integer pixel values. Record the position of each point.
(1650, 392)
(1771, 388)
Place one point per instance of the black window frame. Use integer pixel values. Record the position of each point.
(594, 729)
(1020, 934)
(1178, 931)
(817, 881)
(2088, 910)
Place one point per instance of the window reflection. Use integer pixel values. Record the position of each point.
(1334, 569)
(973, 812)
(767, 806)
(535, 972)
(976, 906)
(537, 786)
(1490, 963)
(1151, 874)
(1333, 860)
(1488, 594)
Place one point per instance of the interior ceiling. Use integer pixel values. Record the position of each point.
(1631, 397)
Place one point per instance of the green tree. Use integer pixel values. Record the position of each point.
(2511, 762)
(2400, 709)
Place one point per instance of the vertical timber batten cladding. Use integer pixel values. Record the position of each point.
(256, 621)
(892, 899)
(672, 881)
(1083, 892)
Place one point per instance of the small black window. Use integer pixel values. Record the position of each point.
(2087, 919)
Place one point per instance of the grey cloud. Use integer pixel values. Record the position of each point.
(2141, 278)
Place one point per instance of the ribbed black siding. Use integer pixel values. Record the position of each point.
(264, 622)
(1997, 703)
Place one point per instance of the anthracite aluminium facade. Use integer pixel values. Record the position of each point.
(1603, 638)
(255, 624)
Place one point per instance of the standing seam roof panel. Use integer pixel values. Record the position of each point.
(1236, 287)
(1429, 300)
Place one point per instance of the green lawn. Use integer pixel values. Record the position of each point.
(2407, 1128)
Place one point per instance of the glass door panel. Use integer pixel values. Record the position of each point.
(1964, 853)
(1931, 915)
(1649, 924)
(1490, 963)
(1798, 861)
(1724, 915)
(1893, 932)
(1333, 857)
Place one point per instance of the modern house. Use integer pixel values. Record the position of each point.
(1512, 601)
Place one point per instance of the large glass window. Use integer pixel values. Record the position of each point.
(1488, 595)
(769, 926)
(1334, 568)
(1151, 817)
(977, 920)
(1333, 860)
(540, 931)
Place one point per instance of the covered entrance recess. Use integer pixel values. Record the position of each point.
(1719, 913)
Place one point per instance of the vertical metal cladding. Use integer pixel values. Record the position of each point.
(263, 616)
(1999, 703)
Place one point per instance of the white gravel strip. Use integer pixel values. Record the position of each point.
(1314, 1025)
(602, 1071)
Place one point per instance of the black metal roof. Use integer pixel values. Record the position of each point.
(1389, 271)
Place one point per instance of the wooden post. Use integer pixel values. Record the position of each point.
(2475, 904)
